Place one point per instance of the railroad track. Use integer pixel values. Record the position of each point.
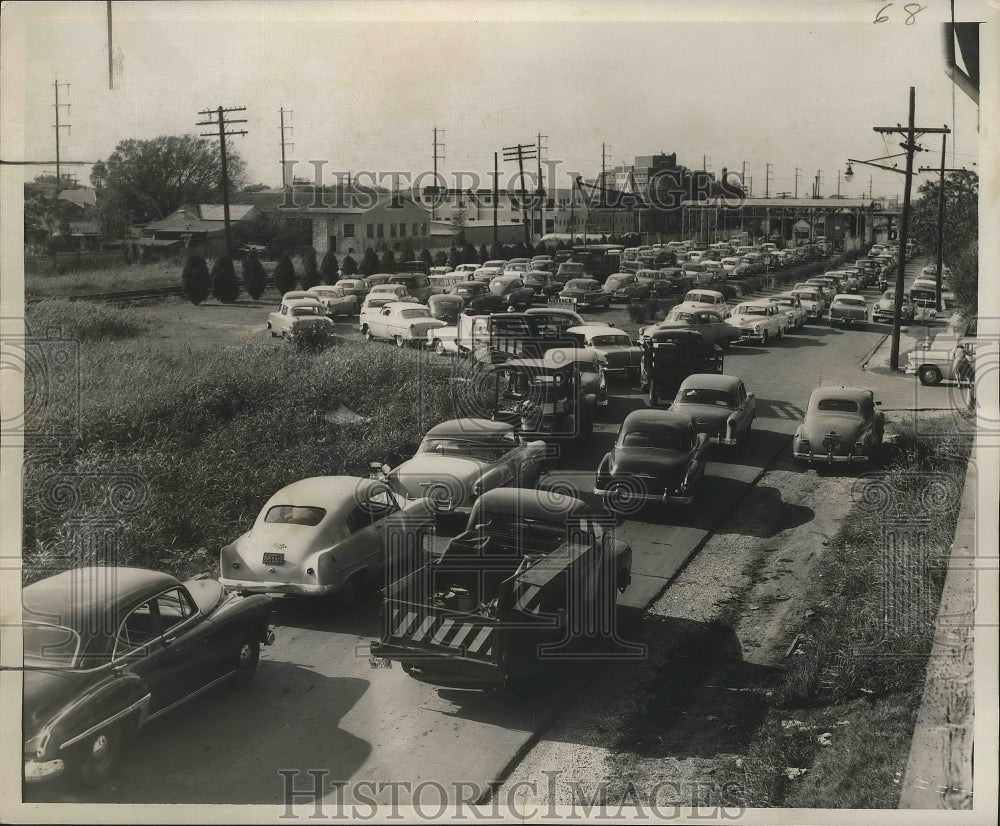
(119, 296)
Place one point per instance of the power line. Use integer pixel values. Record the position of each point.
(522, 152)
(435, 158)
(222, 123)
(58, 126)
(284, 143)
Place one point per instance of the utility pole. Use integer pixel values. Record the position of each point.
(59, 126)
(496, 197)
(437, 157)
(817, 183)
(522, 152)
(750, 187)
(798, 173)
(284, 143)
(541, 186)
(222, 123)
(767, 180)
(111, 62)
(838, 183)
(940, 227)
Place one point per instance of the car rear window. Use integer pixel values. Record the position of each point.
(50, 645)
(660, 438)
(294, 515)
(838, 405)
(698, 395)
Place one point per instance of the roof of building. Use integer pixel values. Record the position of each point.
(199, 218)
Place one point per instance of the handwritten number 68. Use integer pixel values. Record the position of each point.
(911, 9)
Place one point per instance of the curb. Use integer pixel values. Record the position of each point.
(863, 361)
(938, 772)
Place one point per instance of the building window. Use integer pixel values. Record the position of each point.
(402, 230)
(381, 231)
(370, 230)
(424, 228)
(416, 229)
(392, 230)
(348, 230)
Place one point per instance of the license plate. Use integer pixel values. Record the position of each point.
(274, 559)
(379, 662)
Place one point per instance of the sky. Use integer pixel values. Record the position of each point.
(366, 83)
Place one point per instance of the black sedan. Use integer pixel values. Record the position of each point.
(478, 297)
(658, 457)
(586, 293)
(107, 649)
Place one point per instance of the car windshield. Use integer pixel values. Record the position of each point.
(416, 312)
(305, 311)
(294, 515)
(488, 451)
(751, 309)
(838, 405)
(678, 315)
(700, 395)
(469, 289)
(660, 438)
(611, 340)
(51, 646)
(702, 298)
(580, 284)
(852, 302)
(805, 295)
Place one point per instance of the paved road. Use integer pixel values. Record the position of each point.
(316, 705)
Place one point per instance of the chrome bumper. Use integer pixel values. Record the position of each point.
(36, 771)
(850, 459)
(258, 587)
(665, 498)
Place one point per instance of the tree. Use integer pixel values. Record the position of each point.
(225, 287)
(961, 230)
(496, 250)
(350, 266)
(195, 279)
(541, 249)
(310, 270)
(388, 261)
(425, 256)
(149, 179)
(484, 254)
(329, 268)
(254, 277)
(279, 231)
(407, 254)
(369, 263)
(529, 249)
(469, 255)
(454, 258)
(519, 250)
(440, 259)
(284, 274)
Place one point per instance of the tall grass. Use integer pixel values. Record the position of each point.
(83, 321)
(204, 438)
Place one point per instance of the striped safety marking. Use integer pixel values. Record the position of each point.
(445, 631)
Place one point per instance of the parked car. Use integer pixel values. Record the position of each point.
(487, 274)
(812, 301)
(624, 286)
(377, 279)
(336, 301)
(719, 405)
(460, 459)
(467, 268)
(417, 284)
(848, 310)
(107, 649)
(712, 326)
(297, 313)
(616, 351)
(443, 282)
(542, 282)
(478, 297)
(355, 287)
(568, 270)
(792, 307)
(817, 283)
(403, 322)
(758, 320)
(328, 536)
(704, 300)
(841, 425)
(446, 307)
(292, 294)
(658, 457)
(555, 320)
(586, 293)
(512, 290)
(390, 292)
(885, 307)
(592, 379)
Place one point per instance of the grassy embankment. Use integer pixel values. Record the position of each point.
(199, 440)
(836, 732)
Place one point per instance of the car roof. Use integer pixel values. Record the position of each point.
(558, 356)
(711, 381)
(543, 505)
(469, 427)
(841, 392)
(701, 291)
(303, 302)
(848, 295)
(596, 329)
(660, 418)
(334, 493)
(76, 598)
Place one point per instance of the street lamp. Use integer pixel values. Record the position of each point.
(849, 172)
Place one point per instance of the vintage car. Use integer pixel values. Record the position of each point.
(403, 322)
(478, 297)
(444, 282)
(446, 307)
(616, 351)
(443, 340)
(568, 270)
(512, 290)
(586, 293)
(336, 301)
(625, 286)
(377, 279)
(542, 283)
(417, 284)
(671, 355)
(712, 326)
(460, 459)
(355, 287)
(819, 284)
(296, 313)
(812, 301)
(486, 274)
(658, 457)
(719, 406)
(660, 282)
(841, 425)
(592, 379)
(704, 300)
(848, 310)
(107, 649)
(556, 317)
(758, 320)
(517, 265)
(292, 294)
(468, 269)
(935, 359)
(885, 307)
(792, 307)
(391, 292)
(328, 536)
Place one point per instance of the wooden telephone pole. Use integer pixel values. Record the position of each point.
(222, 123)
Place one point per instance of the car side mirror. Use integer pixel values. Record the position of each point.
(879, 404)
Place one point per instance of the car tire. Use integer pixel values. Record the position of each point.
(763, 338)
(654, 397)
(98, 755)
(781, 333)
(367, 333)
(929, 374)
(400, 341)
(439, 347)
(245, 665)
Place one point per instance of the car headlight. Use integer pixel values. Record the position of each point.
(756, 328)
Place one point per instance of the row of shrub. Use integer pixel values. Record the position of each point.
(201, 439)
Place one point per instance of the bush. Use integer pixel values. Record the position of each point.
(310, 270)
(369, 263)
(454, 258)
(350, 266)
(496, 250)
(407, 253)
(254, 277)
(484, 254)
(284, 274)
(195, 279)
(312, 338)
(225, 287)
(82, 320)
(440, 259)
(388, 261)
(328, 269)
(425, 256)
(469, 255)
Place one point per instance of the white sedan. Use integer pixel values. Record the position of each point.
(758, 320)
(403, 322)
(792, 307)
(295, 313)
(336, 300)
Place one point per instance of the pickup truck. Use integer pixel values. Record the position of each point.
(530, 581)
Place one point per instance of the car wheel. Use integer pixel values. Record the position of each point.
(284, 333)
(367, 333)
(654, 397)
(725, 344)
(98, 755)
(929, 374)
(439, 347)
(400, 342)
(763, 337)
(247, 657)
(781, 333)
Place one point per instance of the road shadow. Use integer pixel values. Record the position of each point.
(322, 614)
(778, 409)
(229, 745)
(793, 341)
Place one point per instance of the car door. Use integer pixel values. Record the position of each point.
(198, 656)
(744, 409)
